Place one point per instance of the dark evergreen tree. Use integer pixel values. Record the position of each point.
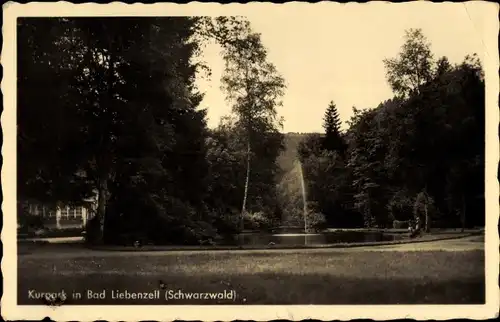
(333, 139)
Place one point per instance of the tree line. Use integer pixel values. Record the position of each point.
(417, 156)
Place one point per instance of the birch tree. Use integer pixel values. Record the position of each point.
(252, 84)
(414, 65)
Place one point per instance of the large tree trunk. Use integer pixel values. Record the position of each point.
(104, 176)
(247, 180)
(104, 159)
(101, 207)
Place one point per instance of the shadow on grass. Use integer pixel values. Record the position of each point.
(327, 277)
(262, 288)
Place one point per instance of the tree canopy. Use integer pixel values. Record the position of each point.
(426, 141)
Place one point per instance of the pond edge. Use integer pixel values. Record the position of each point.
(148, 248)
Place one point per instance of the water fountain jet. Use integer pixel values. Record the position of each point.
(304, 199)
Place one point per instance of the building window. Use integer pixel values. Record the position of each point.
(65, 212)
(78, 212)
(50, 211)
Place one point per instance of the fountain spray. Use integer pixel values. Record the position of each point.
(304, 199)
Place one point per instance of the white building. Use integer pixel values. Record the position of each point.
(63, 217)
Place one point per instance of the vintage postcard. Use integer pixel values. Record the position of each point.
(252, 161)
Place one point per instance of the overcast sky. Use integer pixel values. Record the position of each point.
(336, 54)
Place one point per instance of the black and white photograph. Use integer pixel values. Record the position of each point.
(250, 161)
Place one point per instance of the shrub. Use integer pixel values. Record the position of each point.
(92, 230)
(256, 220)
(28, 221)
(400, 224)
(316, 221)
(424, 210)
(225, 221)
(400, 206)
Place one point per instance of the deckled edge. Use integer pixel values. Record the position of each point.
(10, 310)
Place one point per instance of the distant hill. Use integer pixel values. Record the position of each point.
(288, 157)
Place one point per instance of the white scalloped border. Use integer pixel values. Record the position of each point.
(10, 309)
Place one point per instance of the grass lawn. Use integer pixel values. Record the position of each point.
(305, 277)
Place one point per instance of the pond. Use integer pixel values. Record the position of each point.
(323, 238)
